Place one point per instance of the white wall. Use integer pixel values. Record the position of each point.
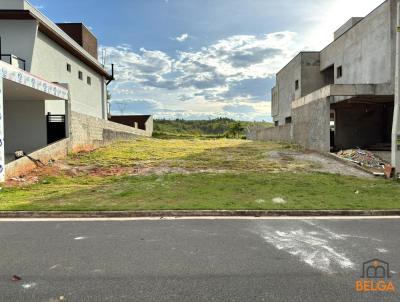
(50, 62)
(12, 4)
(18, 38)
(24, 125)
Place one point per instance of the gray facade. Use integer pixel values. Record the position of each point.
(342, 96)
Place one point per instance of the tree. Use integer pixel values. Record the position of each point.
(236, 129)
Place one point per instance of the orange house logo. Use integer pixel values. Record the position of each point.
(375, 277)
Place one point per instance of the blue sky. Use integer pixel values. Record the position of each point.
(199, 59)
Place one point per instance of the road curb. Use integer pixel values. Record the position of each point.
(195, 213)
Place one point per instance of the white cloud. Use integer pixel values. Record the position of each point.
(182, 38)
(221, 79)
(328, 16)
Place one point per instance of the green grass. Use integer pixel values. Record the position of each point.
(193, 155)
(203, 191)
(213, 128)
(236, 174)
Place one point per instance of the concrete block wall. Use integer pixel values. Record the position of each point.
(51, 152)
(279, 133)
(311, 125)
(86, 133)
(89, 132)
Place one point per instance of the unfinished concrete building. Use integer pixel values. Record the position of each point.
(343, 96)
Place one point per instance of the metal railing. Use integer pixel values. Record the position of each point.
(14, 60)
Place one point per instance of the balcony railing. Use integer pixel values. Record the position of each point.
(14, 60)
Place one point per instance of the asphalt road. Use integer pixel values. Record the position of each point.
(195, 260)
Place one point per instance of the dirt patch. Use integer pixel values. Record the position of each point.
(33, 177)
(319, 163)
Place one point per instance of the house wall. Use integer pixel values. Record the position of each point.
(364, 51)
(305, 68)
(12, 4)
(50, 62)
(18, 38)
(285, 90)
(311, 77)
(24, 125)
(311, 125)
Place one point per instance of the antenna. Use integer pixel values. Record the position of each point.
(103, 57)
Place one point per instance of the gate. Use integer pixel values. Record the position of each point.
(55, 128)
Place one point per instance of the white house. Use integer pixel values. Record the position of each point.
(53, 89)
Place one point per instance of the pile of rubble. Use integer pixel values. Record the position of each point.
(363, 158)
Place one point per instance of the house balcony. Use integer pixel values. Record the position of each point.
(14, 61)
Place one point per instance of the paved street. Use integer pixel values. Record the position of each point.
(195, 259)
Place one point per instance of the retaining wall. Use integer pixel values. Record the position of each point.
(89, 132)
(43, 156)
(86, 133)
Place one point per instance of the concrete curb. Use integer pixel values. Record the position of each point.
(196, 213)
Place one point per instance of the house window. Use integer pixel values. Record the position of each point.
(288, 120)
(80, 75)
(69, 68)
(276, 123)
(296, 84)
(89, 80)
(339, 72)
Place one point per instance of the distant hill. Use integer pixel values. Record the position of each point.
(219, 127)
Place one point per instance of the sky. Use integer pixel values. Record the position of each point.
(202, 59)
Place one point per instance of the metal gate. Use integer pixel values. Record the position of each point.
(55, 128)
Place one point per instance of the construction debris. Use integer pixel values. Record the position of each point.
(363, 158)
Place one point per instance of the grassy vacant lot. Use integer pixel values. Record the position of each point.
(194, 174)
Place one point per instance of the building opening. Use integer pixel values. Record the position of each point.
(329, 75)
(364, 123)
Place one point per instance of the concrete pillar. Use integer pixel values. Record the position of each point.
(2, 152)
(396, 113)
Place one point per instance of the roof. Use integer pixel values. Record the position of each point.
(50, 29)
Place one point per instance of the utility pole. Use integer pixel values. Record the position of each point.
(396, 113)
